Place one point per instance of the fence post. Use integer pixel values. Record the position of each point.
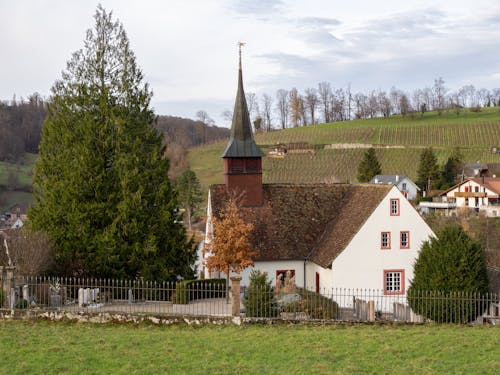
(371, 311)
(235, 295)
(8, 283)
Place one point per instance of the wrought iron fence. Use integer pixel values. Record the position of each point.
(208, 298)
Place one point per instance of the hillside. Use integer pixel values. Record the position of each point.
(331, 152)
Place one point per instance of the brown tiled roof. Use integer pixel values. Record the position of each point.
(314, 222)
(489, 182)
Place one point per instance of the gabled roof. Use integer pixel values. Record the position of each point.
(241, 143)
(489, 183)
(393, 179)
(314, 222)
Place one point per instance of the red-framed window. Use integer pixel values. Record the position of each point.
(394, 282)
(385, 240)
(404, 239)
(394, 207)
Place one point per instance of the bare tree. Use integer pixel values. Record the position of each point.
(267, 104)
(325, 93)
(203, 116)
(439, 91)
(253, 105)
(404, 104)
(495, 96)
(31, 252)
(373, 104)
(227, 115)
(297, 112)
(311, 103)
(384, 104)
(361, 103)
(483, 97)
(282, 106)
(338, 104)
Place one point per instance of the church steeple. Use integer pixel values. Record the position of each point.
(242, 156)
(241, 143)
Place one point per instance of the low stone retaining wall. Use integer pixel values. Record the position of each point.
(88, 317)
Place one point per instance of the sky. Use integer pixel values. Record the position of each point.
(188, 50)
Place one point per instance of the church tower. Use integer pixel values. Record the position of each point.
(242, 157)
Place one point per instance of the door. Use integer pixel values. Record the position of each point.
(317, 282)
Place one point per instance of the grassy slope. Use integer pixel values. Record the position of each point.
(475, 133)
(64, 348)
(24, 173)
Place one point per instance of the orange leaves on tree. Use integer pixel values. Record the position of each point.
(230, 247)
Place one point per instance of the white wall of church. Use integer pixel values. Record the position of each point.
(271, 267)
(362, 264)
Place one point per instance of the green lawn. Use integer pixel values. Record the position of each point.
(71, 348)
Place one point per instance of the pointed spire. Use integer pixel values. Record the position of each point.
(241, 143)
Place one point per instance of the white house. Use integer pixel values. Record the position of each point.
(479, 194)
(402, 182)
(324, 235)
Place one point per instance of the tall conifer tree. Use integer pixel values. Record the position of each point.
(428, 175)
(101, 186)
(369, 166)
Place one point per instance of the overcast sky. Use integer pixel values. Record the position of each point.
(188, 49)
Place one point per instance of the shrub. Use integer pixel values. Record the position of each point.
(21, 304)
(190, 290)
(2, 298)
(259, 300)
(452, 269)
(315, 305)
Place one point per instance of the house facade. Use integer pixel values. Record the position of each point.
(402, 182)
(480, 194)
(322, 235)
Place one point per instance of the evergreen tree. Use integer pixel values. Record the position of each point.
(447, 267)
(259, 299)
(452, 168)
(190, 195)
(369, 166)
(428, 176)
(101, 187)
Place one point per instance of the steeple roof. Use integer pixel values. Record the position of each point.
(241, 143)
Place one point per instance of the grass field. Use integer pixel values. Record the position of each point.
(399, 142)
(71, 348)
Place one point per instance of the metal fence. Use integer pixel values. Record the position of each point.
(208, 298)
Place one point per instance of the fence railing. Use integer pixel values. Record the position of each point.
(208, 298)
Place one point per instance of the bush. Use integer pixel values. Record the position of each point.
(259, 300)
(21, 304)
(449, 277)
(315, 305)
(2, 298)
(190, 290)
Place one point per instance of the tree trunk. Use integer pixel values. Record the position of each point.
(227, 286)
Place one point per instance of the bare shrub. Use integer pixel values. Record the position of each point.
(31, 252)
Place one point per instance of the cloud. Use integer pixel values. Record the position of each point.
(257, 7)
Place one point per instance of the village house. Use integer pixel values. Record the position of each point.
(402, 182)
(323, 235)
(480, 194)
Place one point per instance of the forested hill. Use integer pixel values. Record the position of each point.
(182, 134)
(21, 125)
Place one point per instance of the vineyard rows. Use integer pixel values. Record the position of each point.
(477, 134)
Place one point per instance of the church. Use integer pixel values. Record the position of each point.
(324, 235)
